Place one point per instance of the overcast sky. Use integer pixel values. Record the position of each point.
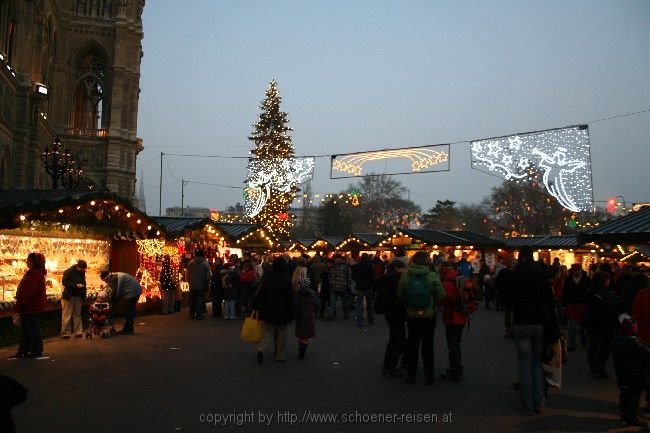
(370, 75)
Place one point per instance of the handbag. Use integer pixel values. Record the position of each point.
(253, 328)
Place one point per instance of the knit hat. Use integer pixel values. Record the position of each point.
(627, 325)
(102, 294)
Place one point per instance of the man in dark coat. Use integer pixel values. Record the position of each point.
(395, 315)
(276, 304)
(363, 275)
(72, 298)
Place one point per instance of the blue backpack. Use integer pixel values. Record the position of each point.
(418, 292)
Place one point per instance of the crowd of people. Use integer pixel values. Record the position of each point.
(601, 308)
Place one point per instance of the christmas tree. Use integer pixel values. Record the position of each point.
(273, 155)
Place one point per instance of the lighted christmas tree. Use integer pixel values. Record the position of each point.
(268, 196)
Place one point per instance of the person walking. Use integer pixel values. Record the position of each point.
(30, 301)
(230, 284)
(531, 298)
(167, 285)
(216, 288)
(72, 298)
(574, 296)
(198, 274)
(306, 308)
(276, 305)
(339, 280)
(641, 314)
(420, 289)
(602, 322)
(124, 286)
(363, 275)
(454, 321)
(395, 315)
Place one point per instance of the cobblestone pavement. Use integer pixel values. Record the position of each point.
(177, 374)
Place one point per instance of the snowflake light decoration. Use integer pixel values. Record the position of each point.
(562, 154)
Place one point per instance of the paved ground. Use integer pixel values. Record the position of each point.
(174, 373)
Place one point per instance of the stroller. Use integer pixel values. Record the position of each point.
(101, 317)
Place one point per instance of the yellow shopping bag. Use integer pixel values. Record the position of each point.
(253, 328)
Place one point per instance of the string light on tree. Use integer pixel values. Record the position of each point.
(274, 172)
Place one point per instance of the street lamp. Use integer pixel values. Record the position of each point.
(61, 165)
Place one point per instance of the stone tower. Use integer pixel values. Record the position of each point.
(72, 72)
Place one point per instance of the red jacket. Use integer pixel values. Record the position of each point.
(641, 313)
(30, 296)
(451, 315)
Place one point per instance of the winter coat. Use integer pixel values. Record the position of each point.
(72, 277)
(275, 299)
(451, 314)
(339, 275)
(216, 287)
(306, 308)
(316, 270)
(573, 293)
(437, 292)
(530, 295)
(30, 295)
(602, 310)
(631, 361)
(363, 275)
(198, 274)
(123, 285)
(641, 313)
(464, 268)
(230, 284)
(394, 308)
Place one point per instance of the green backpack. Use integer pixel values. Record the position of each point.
(418, 292)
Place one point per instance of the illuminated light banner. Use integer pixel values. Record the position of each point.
(403, 161)
(275, 174)
(562, 154)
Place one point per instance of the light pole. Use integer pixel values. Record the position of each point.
(61, 165)
(183, 183)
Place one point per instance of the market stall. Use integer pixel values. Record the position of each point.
(66, 226)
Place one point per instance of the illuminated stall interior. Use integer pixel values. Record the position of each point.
(443, 243)
(566, 248)
(66, 226)
(215, 238)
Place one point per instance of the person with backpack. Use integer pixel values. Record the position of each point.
(394, 311)
(420, 288)
(460, 302)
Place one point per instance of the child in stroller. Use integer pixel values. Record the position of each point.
(101, 315)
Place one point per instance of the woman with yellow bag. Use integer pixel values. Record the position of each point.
(276, 305)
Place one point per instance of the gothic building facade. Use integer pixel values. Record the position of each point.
(70, 69)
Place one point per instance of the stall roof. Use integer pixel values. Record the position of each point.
(176, 226)
(18, 200)
(371, 239)
(43, 205)
(448, 238)
(634, 227)
(555, 242)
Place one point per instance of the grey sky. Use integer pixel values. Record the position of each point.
(370, 75)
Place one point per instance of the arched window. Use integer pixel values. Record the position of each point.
(89, 90)
(5, 175)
